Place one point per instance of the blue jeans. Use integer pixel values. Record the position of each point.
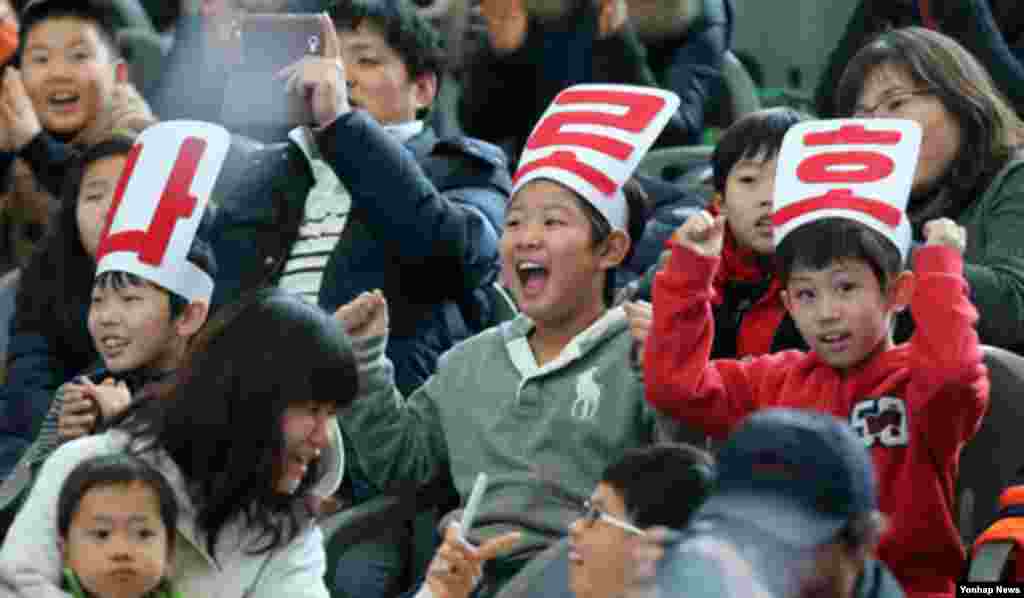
(376, 566)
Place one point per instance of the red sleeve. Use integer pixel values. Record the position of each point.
(679, 377)
(949, 384)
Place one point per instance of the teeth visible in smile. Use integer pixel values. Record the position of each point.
(831, 338)
(114, 343)
(524, 266)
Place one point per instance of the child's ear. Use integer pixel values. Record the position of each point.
(718, 203)
(787, 301)
(425, 90)
(192, 318)
(62, 548)
(121, 71)
(614, 249)
(901, 290)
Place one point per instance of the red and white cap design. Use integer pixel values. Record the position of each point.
(159, 202)
(592, 138)
(861, 169)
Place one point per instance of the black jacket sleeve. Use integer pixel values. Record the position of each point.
(403, 208)
(973, 25)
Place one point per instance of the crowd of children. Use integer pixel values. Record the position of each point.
(157, 444)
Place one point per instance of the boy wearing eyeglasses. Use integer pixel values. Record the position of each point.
(631, 496)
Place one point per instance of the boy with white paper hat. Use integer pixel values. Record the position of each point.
(154, 275)
(550, 389)
(842, 239)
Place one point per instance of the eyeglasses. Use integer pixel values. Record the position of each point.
(591, 513)
(895, 104)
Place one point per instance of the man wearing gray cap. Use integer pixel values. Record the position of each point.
(794, 515)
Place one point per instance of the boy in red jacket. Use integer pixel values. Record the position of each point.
(842, 239)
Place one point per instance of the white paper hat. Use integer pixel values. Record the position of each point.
(158, 205)
(592, 138)
(861, 169)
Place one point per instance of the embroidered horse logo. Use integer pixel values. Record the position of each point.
(588, 396)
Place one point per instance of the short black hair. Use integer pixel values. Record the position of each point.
(639, 207)
(115, 470)
(818, 244)
(415, 40)
(199, 254)
(662, 484)
(756, 135)
(101, 15)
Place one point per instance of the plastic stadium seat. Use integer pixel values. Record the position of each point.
(991, 460)
(737, 97)
(687, 164)
(145, 51)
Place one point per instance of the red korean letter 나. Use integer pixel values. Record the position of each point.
(176, 203)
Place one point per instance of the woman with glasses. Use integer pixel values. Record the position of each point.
(971, 166)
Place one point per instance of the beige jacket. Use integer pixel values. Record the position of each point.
(31, 563)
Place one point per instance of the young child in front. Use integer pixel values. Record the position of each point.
(915, 405)
(116, 519)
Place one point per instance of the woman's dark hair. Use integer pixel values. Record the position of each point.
(639, 211)
(757, 135)
(644, 477)
(220, 422)
(818, 244)
(991, 132)
(56, 287)
(115, 470)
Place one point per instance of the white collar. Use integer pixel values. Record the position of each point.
(405, 131)
(303, 138)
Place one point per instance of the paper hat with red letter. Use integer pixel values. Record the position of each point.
(861, 169)
(158, 204)
(592, 138)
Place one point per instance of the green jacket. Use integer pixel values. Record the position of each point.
(994, 259)
(489, 408)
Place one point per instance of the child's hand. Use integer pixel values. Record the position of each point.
(944, 231)
(77, 413)
(321, 80)
(111, 397)
(702, 234)
(639, 314)
(506, 23)
(20, 120)
(365, 316)
(612, 16)
(458, 565)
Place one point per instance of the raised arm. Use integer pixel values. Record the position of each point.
(400, 442)
(680, 379)
(949, 379)
(444, 232)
